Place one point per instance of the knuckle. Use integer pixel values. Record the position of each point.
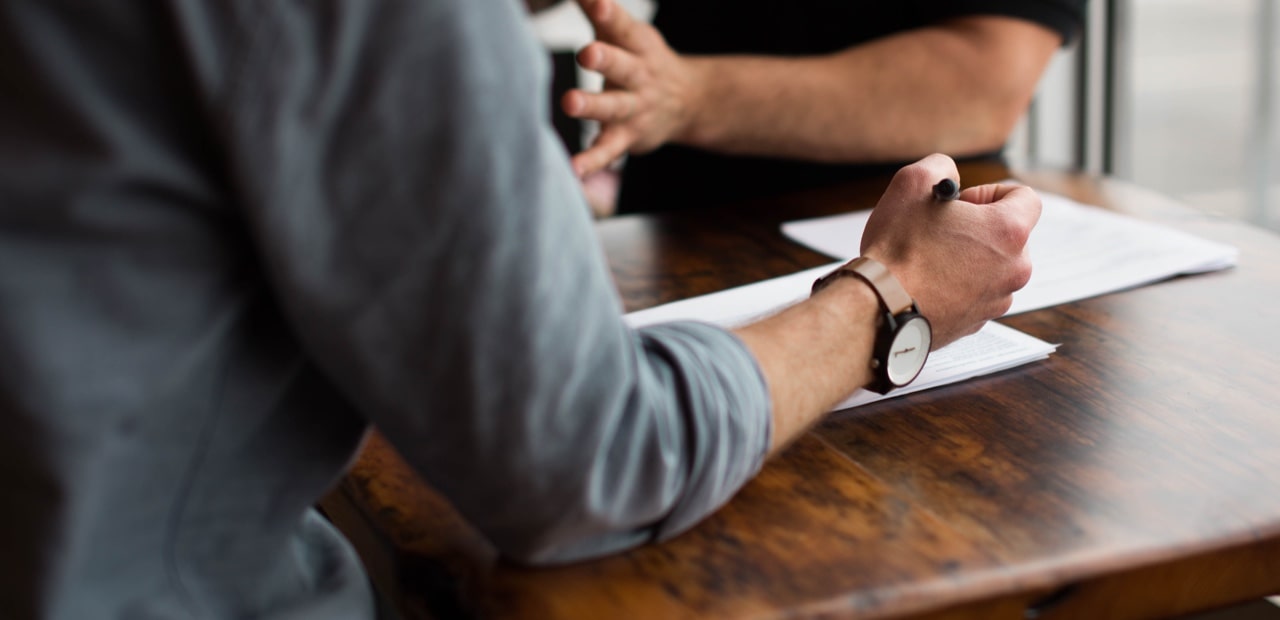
(607, 107)
(1026, 204)
(627, 111)
(1019, 274)
(938, 158)
(600, 56)
(912, 175)
(1002, 306)
(938, 164)
(1010, 233)
(922, 174)
(648, 35)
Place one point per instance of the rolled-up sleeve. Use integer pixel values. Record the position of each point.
(725, 449)
(421, 228)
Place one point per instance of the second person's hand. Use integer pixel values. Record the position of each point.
(650, 91)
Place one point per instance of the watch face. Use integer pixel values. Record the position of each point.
(909, 351)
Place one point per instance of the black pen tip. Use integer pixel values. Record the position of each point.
(946, 189)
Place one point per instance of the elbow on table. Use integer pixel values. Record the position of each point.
(568, 524)
(576, 497)
(635, 454)
(547, 551)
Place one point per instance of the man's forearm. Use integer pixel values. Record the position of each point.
(814, 354)
(958, 87)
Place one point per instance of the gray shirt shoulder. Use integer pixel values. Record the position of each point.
(235, 233)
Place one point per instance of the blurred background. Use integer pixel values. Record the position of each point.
(1201, 103)
(1176, 95)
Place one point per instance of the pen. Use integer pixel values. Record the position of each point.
(946, 190)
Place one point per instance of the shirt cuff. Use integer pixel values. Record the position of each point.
(729, 417)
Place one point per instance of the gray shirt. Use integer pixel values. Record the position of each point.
(234, 234)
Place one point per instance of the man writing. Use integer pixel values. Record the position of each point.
(235, 234)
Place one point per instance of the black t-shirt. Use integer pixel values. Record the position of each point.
(676, 177)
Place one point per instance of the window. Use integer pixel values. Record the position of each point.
(1176, 95)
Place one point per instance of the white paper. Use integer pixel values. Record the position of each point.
(994, 348)
(736, 306)
(1077, 251)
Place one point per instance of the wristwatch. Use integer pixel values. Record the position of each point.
(903, 336)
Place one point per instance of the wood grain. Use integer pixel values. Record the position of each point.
(1134, 474)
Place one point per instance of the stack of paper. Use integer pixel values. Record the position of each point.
(1078, 251)
(992, 349)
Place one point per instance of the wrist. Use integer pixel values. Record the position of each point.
(903, 336)
(696, 127)
(853, 294)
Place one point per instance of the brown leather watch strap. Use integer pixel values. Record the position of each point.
(892, 295)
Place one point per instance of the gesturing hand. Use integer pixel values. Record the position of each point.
(960, 260)
(649, 89)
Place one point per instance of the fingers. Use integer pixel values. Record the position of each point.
(1011, 213)
(613, 24)
(984, 194)
(607, 107)
(616, 65)
(611, 144)
(936, 167)
(1017, 206)
(1020, 200)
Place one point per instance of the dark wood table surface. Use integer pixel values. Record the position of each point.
(1133, 474)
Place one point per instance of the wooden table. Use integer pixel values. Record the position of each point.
(1135, 473)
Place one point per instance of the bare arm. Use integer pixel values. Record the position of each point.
(813, 355)
(958, 86)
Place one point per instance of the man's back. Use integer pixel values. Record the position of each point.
(233, 232)
(165, 436)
